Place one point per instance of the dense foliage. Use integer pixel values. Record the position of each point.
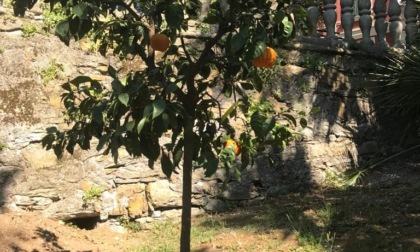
(400, 78)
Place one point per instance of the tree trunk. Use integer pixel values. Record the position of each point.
(186, 184)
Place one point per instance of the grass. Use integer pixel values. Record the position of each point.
(312, 229)
(130, 225)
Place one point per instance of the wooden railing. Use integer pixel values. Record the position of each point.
(391, 19)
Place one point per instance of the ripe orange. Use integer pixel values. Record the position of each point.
(159, 42)
(235, 146)
(267, 59)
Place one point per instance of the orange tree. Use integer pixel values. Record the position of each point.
(171, 95)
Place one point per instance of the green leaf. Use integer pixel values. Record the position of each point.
(124, 98)
(141, 124)
(239, 39)
(256, 123)
(211, 164)
(165, 121)
(314, 110)
(171, 88)
(213, 17)
(97, 114)
(229, 111)
(288, 27)
(227, 157)
(80, 10)
(112, 72)
(117, 86)
(237, 43)
(167, 166)
(245, 159)
(178, 152)
(267, 126)
(258, 82)
(290, 118)
(247, 86)
(62, 30)
(130, 125)
(259, 49)
(158, 107)
(174, 15)
(58, 150)
(303, 122)
(147, 110)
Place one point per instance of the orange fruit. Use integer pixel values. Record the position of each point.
(232, 143)
(267, 59)
(159, 42)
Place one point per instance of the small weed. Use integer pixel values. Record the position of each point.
(28, 30)
(1, 50)
(9, 18)
(92, 195)
(2, 146)
(130, 225)
(50, 72)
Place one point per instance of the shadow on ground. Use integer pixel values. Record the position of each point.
(381, 215)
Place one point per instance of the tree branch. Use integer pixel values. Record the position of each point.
(224, 27)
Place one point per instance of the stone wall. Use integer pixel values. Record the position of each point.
(33, 179)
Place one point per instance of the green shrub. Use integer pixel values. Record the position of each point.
(28, 30)
(401, 90)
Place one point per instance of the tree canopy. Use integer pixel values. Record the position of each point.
(172, 94)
